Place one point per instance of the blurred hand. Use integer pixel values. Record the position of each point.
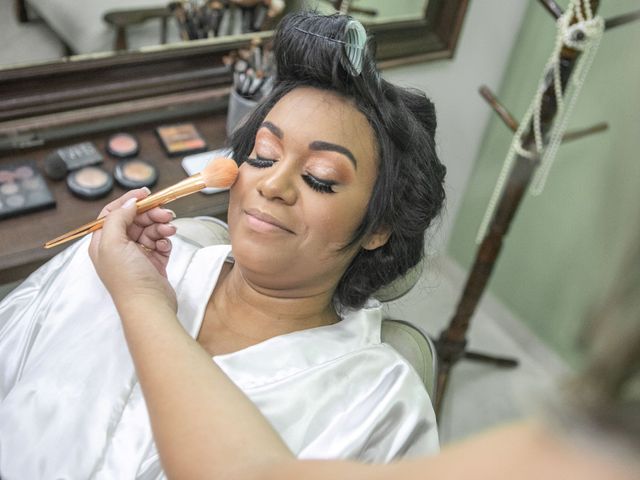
(130, 253)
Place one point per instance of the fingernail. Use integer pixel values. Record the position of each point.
(146, 190)
(129, 203)
(173, 214)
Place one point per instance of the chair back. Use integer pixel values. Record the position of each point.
(416, 347)
(202, 231)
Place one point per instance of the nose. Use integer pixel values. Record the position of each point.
(278, 183)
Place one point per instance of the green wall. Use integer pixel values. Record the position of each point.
(565, 245)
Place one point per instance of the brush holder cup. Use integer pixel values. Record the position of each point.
(238, 109)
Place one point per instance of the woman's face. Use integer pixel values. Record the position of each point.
(302, 193)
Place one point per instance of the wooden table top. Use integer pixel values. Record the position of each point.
(22, 237)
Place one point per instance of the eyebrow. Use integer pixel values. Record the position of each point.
(317, 145)
(273, 129)
(320, 145)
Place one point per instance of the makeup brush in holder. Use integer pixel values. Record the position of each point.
(253, 74)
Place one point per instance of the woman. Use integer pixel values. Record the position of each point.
(338, 182)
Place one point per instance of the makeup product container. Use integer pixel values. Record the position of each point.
(135, 173)
(55, 168)
(78, 155)
(181, 139)
(122, 145)
(23, 189)
(90, 183)
(239, 108)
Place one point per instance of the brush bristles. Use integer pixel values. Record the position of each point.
(220, 173)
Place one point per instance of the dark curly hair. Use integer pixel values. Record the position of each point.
(409, 192)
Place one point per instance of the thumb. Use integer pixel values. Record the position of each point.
(117, 221)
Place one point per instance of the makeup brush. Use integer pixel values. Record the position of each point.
(220, 173)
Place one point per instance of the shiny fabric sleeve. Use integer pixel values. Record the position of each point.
(71, 407)
(337, 392)
(404, 424)
(368, 405)
(22, 313)
(385, 414)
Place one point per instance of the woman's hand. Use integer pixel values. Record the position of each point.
(131, 252)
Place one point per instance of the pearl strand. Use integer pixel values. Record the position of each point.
(585, 36)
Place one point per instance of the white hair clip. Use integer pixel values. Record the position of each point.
(355, 39)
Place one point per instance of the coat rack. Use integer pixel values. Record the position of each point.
(452, 342)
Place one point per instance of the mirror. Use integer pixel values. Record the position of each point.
(66, 29)
(178, 72)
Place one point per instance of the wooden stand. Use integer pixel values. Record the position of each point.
(452, 342)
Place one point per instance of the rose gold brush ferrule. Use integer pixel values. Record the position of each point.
(186, 187)
(190, 185)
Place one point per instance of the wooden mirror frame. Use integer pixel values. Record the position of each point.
(84, 89)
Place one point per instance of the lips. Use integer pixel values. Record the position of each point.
(264, 222)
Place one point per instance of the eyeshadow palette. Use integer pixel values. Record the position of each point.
(181, 139)
(23, 189)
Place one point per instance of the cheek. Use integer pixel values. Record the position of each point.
(336, 221)
(238, 192)
(244, 182)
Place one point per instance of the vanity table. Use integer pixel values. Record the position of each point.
(22, 237)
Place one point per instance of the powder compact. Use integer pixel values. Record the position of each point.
(90, 183)
(23, 189)
(122, 145)
(135, 173)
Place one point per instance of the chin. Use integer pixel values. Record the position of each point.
(259, 256)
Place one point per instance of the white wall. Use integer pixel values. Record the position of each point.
(488, 35)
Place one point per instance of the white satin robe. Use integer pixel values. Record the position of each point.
(71, 406)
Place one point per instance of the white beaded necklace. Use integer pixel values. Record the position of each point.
(584, 35)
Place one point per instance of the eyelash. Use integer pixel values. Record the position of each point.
(322, 186)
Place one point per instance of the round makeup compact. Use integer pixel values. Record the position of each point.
(90, 182)
(135, 173)
(123, 145)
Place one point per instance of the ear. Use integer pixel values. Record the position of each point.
(376, 239)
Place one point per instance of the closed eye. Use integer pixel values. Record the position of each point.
(260, 162)
(322, 186)
(317, 184)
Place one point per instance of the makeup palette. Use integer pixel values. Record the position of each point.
(122, 145)
(135, 173)
(181, 139)
(23, 189)
(90, 183)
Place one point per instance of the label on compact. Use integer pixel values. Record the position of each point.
(79, 155)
